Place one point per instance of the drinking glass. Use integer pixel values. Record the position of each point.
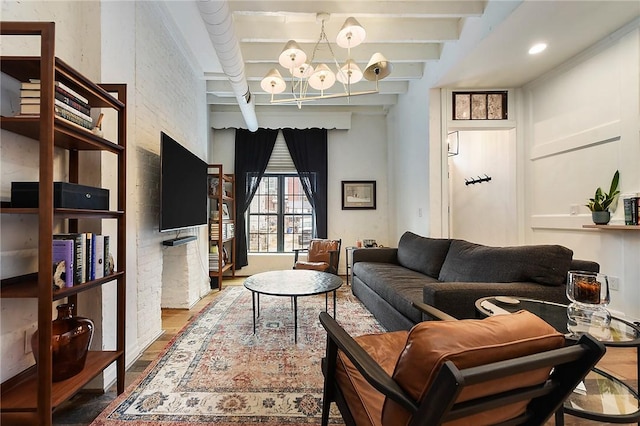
(589, 296)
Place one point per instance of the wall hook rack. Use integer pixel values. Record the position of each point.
(473, 181)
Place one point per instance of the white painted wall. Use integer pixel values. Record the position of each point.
(582, 124)
(359, 153)
(409, 140)
(129, 42)
(19, 161)
(484, 213)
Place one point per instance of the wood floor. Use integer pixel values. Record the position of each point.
(82, 409)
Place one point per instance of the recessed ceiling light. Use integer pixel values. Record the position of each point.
(537, 48)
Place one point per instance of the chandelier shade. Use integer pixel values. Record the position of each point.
(292, 55)
(351, 34)
(377, 68)
(322, 78)
(304, 73)
(349, 73)
(273, 83)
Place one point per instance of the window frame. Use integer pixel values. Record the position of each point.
(281, 215)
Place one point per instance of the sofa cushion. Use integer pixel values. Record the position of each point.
(397, 285)
(422, 254)
(469, 343)
(544, 264)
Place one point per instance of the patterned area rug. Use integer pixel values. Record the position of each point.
(216, 371)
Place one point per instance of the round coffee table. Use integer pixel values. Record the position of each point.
(292, 283)
(604, 397)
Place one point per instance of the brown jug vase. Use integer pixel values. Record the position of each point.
(70, 340)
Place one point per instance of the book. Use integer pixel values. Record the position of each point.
(98, 257)
(106, 256)
(24, 93)
(30, 85)
(72, 118)
(77, 252)
(63, 251)
(30, 101)
(89, 254)
(630, 211)
(85, 109)
(71, 109)
(29, 108)
(72, 92)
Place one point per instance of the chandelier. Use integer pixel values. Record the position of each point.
(305, 74)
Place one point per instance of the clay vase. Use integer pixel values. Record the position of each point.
(70, 340)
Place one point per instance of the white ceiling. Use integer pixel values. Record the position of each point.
(412, 35)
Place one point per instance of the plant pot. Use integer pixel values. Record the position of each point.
(601, 217)
(70, 340)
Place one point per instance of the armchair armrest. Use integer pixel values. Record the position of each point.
(296, 253)
(367, 366)
(433, 312)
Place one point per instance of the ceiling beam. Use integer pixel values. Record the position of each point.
(387, 30)
(416, 8)
(394, 52)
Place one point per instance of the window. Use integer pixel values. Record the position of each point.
(480, 105)
(280, 217)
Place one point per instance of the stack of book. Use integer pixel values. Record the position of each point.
(213, 258)
(69, 105)
(84, 254)
(632, 210)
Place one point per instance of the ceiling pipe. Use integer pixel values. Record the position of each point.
(219, 23)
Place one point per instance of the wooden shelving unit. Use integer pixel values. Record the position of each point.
(32, 394)
(614, 227)
(222, 213)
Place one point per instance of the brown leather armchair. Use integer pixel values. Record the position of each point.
(507, 369)
(322, 255)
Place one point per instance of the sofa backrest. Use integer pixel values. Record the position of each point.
(422, 254)
(470, 262)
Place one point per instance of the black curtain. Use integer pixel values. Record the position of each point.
(308, 149)
(253, 150)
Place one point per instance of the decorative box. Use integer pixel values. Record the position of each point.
(65, 195)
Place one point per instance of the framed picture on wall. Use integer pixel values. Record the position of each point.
(358, 194)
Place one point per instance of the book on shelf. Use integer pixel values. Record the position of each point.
(78, 106)
(78, 253)
(70, 92)
(631, 210)
(63, 251)
(71, 109)
(89, 256)
(106, 265)
(72, 118)
(29, 101)
(32, 84)
(29, 93)
(29, 109)
(97, 270)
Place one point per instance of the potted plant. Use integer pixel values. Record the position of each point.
(601, 201)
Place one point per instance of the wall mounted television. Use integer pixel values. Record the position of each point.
(183, 187)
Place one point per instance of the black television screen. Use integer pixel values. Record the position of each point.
(183, 186)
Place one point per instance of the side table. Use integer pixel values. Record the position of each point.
(604, 398)
(347, 252)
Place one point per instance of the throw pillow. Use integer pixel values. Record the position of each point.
(421, 254)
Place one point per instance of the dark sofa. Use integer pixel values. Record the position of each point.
(452, 274)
